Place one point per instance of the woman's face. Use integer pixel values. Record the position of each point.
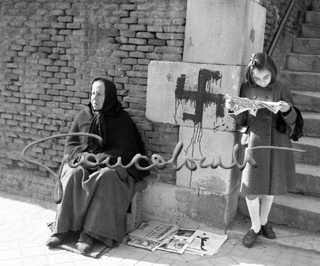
(261, 77)
(97, 95)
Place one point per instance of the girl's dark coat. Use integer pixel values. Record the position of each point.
(274, 166)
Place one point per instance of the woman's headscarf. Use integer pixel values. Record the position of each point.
(111, 107)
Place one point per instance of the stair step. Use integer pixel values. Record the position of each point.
(307, 100)
(303, 62)
(315, 5)
(294, 210)
(306, 181)
(310, 30)
(311, 126)
(312, 148)
(299, 80)
(306, 46)
(313, 17)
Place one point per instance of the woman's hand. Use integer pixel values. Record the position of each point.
(285, 107)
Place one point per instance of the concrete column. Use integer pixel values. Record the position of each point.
(223, 32)
(220, 38)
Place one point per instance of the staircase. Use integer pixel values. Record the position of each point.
(301, 206)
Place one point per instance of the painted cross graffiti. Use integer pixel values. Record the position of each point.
(202, 97)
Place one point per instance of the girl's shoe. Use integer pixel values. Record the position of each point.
(56, 239)
(267, 231)
(85, 243)
(250, 238)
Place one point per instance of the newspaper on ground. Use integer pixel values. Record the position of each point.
(151, 235)
(154, 231)
(143, 243)
(206, 243)
(244, 104)
(178, 242)
(154, 235)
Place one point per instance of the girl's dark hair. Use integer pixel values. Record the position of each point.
(261, 61)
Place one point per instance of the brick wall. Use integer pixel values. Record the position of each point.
(49, 53)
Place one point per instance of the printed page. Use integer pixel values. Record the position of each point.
(154, 231)
(242, 104)
(245, 104)
(142, 243)
(206, 243)
(178, 242)
(274, 107)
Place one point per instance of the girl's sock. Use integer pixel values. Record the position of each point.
(253, 207)
(266, 203)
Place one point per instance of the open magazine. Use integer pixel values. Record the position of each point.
(154, 231)
(157, 236)
(178, 242)
(151, 235)
(206, 243)
(245, 104)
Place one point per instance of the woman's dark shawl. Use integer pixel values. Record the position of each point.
(123, 139)
(120, 135)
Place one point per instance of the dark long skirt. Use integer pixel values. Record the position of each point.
(96, 203)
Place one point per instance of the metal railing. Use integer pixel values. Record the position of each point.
(280, 28)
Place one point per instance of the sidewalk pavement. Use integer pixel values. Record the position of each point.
(23, 232)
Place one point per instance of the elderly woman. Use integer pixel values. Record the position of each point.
(95, 202)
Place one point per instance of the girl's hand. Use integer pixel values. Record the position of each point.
(229, 104)
(285, 107)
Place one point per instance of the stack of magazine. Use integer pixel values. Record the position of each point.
(158, 236)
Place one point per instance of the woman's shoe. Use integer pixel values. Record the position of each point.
(85, 243)
(250, 238)
(56, 239)
(267, 231)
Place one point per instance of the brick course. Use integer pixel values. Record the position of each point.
(51, 51)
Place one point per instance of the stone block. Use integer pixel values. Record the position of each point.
(192, 95)
(295, 210)
(312, 154)
(304, 81)
(214, 146)
(306, 101)
(306, 181)
(311, 127)
(226, 32)
(134, 214)
(313, 17)
(188, 207)
(306, 46)
(310, 31)
(303, 62)
(315, 5)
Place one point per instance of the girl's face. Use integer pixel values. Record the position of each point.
(97, 95)
(261, 77)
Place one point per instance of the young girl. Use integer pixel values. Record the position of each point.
(265, 129)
